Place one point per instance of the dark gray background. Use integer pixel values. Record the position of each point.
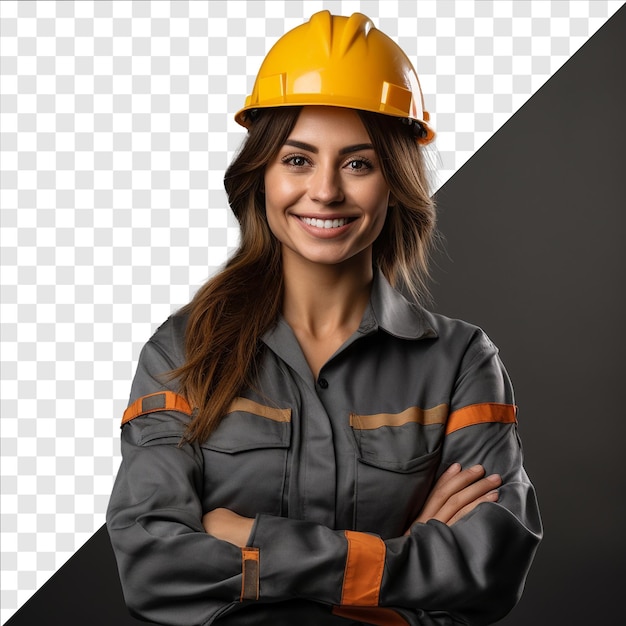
(534, 226)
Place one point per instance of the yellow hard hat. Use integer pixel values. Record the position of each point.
(333, 60)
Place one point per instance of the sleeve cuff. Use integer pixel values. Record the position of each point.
(365, 563)
(250, 573)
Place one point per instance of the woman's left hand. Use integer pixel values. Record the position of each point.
(457, 492)
(227, 525)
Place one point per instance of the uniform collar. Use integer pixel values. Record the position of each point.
(390, 311)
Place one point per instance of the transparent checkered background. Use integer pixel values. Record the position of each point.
(115, 129)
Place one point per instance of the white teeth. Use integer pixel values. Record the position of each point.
(325, 223)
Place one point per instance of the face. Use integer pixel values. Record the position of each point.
(325, 195)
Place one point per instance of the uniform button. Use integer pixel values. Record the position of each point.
(323, 383)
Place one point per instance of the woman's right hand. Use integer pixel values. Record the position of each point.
(457, 492)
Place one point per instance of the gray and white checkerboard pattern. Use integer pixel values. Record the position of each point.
(115, 129)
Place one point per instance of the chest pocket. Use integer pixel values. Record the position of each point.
(398, 456)
(245, 459)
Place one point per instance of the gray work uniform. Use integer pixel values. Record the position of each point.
(334, 471)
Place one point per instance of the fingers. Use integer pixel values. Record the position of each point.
(437, 496)
(451, 482)
(455, 490)
(491, 496)
(467, 496)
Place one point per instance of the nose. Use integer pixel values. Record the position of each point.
(325, 185)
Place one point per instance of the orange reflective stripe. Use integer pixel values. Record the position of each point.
(250, 574)
(481, 414)
(371, 615)
(160, 401)
(363, 575)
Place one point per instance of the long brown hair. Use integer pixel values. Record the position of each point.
(230, 313)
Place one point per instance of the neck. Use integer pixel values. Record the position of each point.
(321, 299)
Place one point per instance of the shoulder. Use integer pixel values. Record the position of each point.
(169, 338)
(404, 318)
(455, 332)
(162, 353)
(166, 347)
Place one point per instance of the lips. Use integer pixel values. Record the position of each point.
(327, 224)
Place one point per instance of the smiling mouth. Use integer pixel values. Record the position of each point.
(327, 224)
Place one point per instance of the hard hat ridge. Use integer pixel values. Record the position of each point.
(334, 60)
(357, 27)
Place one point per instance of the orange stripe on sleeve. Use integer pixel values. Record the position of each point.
(363, 575)
(481, 414)
(160, 401)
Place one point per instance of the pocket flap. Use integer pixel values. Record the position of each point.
(249, 425)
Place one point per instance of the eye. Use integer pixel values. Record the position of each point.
(359, 165)
(295, 160)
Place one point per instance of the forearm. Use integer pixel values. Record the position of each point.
(171, 570)
(475, 568)
(180, 580)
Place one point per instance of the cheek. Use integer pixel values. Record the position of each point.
(279, 194)
(271, 215)
(271, 197)
(275, 204)
(380, 208)
(379, 221)
(378, 217)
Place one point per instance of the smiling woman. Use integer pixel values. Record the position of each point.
(304, 443)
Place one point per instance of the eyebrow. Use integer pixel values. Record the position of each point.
(310, 148)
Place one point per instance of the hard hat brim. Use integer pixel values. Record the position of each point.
(244, 118)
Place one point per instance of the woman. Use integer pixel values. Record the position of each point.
(303, 442)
